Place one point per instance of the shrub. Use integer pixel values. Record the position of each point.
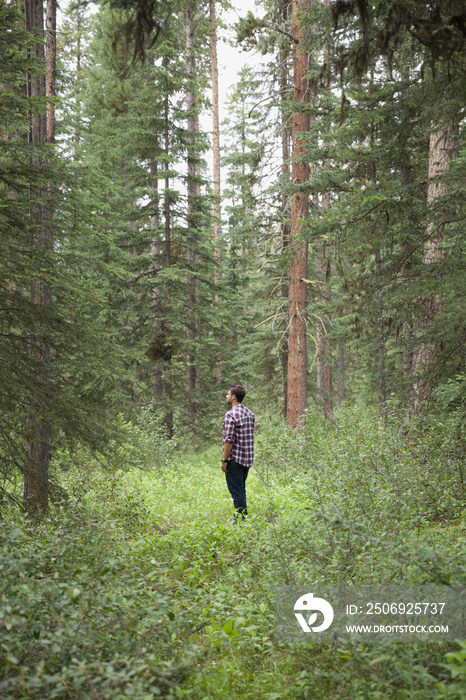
(79, 618)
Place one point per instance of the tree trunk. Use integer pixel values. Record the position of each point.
(441, 153)
(165, 341)
(341, 374)
(215, 132)
(380, 316)
(285, 208)
(217, 207)
(80, 30)
(36, 478)
(51, 66)
(191, 213)
(197, 291)
(297, 296)
(156, 291)
(381, 323)
(166, 196)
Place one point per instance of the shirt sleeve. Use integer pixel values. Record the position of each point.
(229, 429)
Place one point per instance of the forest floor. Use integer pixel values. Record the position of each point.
(145, 588)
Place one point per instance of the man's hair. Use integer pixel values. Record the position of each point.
(238, 391)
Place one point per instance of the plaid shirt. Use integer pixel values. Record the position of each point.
(238, 428)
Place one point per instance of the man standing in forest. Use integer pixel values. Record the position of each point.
(238, 447)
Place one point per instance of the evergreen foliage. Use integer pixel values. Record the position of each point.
(122, 322)
(372, 112)
(70, 396)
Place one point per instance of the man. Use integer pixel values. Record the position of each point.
(238, 447)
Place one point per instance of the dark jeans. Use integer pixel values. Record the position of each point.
(236, 476)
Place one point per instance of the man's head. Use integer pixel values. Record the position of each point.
(238, 392)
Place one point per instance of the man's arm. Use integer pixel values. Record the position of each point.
(227, 448)
(229, 436)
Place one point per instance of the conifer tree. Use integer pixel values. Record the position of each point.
(163, 232)
(55, 362)
(297, 294)
(380, 96)
(441, 153)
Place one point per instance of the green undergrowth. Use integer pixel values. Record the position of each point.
(143, 587)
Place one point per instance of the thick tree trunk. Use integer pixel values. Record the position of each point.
(441, 153)
(297, 296)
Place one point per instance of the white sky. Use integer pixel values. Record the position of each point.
(230, 58)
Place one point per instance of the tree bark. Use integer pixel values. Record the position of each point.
(297, 296)
(165, 341)
(285, 203)
(441, 153)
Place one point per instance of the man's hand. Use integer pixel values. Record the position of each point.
(227, 448)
